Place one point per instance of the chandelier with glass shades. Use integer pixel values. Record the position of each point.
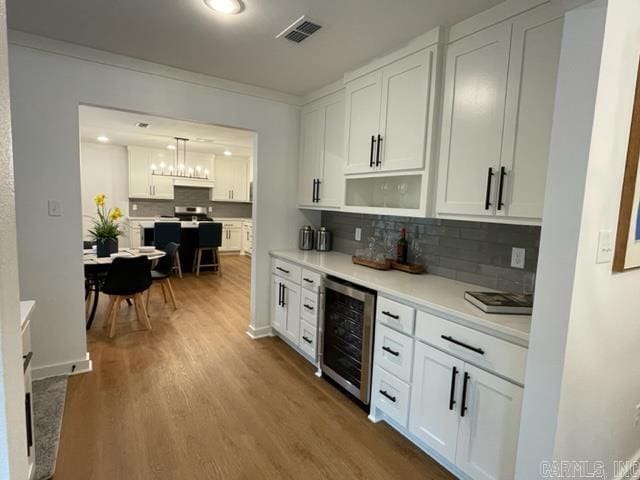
(180, 169)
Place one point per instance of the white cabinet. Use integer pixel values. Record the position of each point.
(497, 118)
(247, 237)
(321, 180)
(389, 115)
(142, 183)
(231, 179)
(231, 236)
(286, 309)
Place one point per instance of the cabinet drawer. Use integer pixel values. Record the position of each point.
(394, 352)
(396, 315)
(472, 346)
(309, 306)
(308, 335)
(286, 270)
(231, 224)
(391, 396)
(311, 280)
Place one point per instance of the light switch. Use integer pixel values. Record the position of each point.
(55, 208)
(517, 257)
(605, 247)
(358, 234)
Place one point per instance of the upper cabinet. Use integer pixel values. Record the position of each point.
(389, 115)
(497, 115)
(321, 180)
(142, 183)
(231, 179)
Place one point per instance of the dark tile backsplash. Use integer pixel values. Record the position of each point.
(188, 197)
(473, 252)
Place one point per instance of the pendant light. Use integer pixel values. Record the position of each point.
(180, 169)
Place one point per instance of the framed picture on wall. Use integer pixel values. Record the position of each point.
(627, 251)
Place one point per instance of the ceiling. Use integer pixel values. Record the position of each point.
(188, 35)
(120, 127)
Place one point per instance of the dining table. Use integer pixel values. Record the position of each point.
(96, 270)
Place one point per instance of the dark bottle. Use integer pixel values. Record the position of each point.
(403, 247)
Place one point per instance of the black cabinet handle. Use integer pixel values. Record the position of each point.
(307, 339)
(280, 294)
(461, 344)
(284, 288)
(503, 173)
(388, 314)
(373, 142)
(308, 307)
(26, 361)
(454, 374)
(378, 162)
(27, 411)
(283, 270)
(392, 352)
(313, 192)
(463, 407)
(308, 280)
(386, 394)
(487, 200)
(318, 190)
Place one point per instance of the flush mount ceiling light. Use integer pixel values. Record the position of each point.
(171, 147)
(228, 7)
(103, 139)
(227, 153)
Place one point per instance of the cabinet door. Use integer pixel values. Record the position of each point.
(278, 312)
(291, 327)
(224, 178)
(488, 436)
(433, 417)
(331, 189)
(240, 184)
(533, 71)
(311, 139)
(472, 124)
(235, 239)
(406, 89)
(139, 173)
(162, 187)
(362, 121)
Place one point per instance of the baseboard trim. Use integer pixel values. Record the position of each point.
(262, 332)
(67, 368)
(632, 470)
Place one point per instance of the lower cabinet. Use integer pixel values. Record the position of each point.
(469, 416)
(286, 315)
(231, 236)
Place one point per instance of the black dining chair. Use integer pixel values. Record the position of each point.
(127, 278)
(165, 233)
(161, 273)
(209, 239)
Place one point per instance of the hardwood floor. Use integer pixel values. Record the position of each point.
(197, 399)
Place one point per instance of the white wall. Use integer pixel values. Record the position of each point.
(13, 452)
(583, 373)
(46, 91)
(104, 169)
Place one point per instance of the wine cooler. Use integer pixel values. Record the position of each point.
(346, 335)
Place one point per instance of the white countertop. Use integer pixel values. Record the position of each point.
(440, 295)
(187, 224)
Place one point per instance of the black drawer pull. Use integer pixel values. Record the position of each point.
(487, 200)
(458, 342)
(308, 280)
(392, 352)
(454, 374)
(26, 361)
(388, 314)
(386, 394)
(308, 340)
(283, 270)
(464, 408)
(308, 307)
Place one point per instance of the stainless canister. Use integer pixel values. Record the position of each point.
(305, 241)
(323, 240)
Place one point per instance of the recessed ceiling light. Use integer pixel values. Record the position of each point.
(103, 139)
(228, 7)
(227, 152)
(142, 125)
(171, 147)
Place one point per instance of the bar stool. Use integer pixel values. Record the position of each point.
(209, 239)
(165, 233)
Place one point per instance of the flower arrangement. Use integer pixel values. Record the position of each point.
(105, 227)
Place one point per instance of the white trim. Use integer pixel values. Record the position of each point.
(80, 52)
(67, 368)
(262, 332)
(627, 474)
(426, 40)
(323, 92)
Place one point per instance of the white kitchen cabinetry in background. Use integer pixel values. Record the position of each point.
(231, 179)
(497, 115)
(247, 237)
(231, 236)
(142, 184)
(321, 176)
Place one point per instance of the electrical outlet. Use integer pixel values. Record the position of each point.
(210, 209)
(358, 234)
(134, 207)
(517, 257)
(605, 247)
(55, 208)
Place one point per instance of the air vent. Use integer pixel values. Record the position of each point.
(142, 125)
(300, 30)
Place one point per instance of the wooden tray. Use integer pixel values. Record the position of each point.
(414, 268)
(386, 265)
